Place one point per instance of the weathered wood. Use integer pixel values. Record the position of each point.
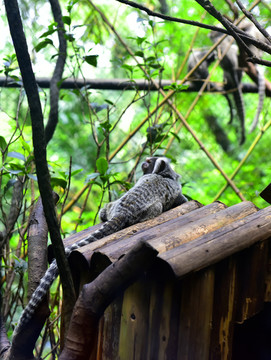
(267, 296)
(96, 296)
(135, 321)
(128, 232)
(251, 273)
(196, 316)
(183, 234)
(219, 244)
(139, 228)
(163, 237)
(162, 340)
(82, 258)
(224, 310)
(115, 245)
(109, 331)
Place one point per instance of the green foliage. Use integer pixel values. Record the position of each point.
(102, 134)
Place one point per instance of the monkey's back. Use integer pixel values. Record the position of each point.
(150, 196)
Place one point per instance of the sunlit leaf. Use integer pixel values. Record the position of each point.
(43, 44)
(102, 165)
(16, 155)
(58, 182)
(66, 20)
(91, 60)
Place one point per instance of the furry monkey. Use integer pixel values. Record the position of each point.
(202, 72)
(156, 191)
(251, 30)
(232, 76)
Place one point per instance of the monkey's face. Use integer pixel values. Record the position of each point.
(148, 165)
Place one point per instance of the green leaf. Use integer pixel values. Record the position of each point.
(140, 40)
(33, 177)
(69, 37)
(91, 59)
(139, 53)
(92, 176)
(3, 143)
(43, 44)
(71, 4)
(177, 137)
(76, 172)
(155, 66)
(26, 146)
(102, 165)
(174, 86)
(58, 182)
(17, 155)
(128, 67)
(66, 20)
(110, 102)
(47, 33)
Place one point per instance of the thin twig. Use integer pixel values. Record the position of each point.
(171, 18)
(250, 16)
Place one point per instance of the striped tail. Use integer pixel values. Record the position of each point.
(37, 296)
(261, 92)
(239, 103)
(51, 274)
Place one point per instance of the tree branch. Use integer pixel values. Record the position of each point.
(250, 16)
(123, 84)
(29, 81)
(58, 72)
(241, 37)
(171, 18)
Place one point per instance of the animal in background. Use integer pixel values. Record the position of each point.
(232, 75)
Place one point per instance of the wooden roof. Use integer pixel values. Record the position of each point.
(218, 276)
(188, 238)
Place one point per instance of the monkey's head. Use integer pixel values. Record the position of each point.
(159, 166)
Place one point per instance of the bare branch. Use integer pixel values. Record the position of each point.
(171, 18)
(250, 16)
(30, 85)
(58, 72)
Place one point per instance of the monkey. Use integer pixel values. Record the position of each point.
(232, 76)
(202, 72)
(251, 30)
(158, 190)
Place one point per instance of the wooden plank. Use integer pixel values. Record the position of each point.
(267, 297)
(127, 232)
(164, 311)
(224, 310)
(134, 229)
(119, 243)
(135, 321)
(186, 233)
(217, 245)
(196, 316)
(109, 331)
(251, 275)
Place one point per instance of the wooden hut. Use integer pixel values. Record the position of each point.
(207, 295)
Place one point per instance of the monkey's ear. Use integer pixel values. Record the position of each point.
(160, 165)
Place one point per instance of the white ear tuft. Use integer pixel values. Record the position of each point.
(158, 164)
